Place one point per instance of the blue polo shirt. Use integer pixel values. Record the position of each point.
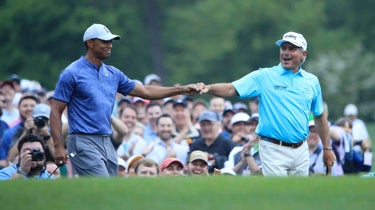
(90, 95)
(285, 101)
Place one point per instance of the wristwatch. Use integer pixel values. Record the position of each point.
(20, 171)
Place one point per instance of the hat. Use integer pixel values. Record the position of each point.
(15, 77)
(124, 100)
(239, 106)
(179, 102)
(151, 77)
(254, 116)
(139, 99)
(228, 171)
(228, 108)
(168, 100)
(121, 162)
(311, 123)
(209, 115)
(294, 38)
(99, 31)
(240, 117)
(350, 109)
(7, 82)
(41, 110)
(132, 160)
(166, 162)
(198, 155)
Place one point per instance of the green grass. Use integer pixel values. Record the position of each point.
(220, 192)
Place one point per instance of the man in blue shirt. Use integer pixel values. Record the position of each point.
(88, 88)
(32, 160)
(287, 94)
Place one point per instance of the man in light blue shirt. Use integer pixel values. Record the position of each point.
(287, 94)
(32, 161)
(164, 146)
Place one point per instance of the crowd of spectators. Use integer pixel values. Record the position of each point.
(178, 136)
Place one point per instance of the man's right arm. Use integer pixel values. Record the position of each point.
(57, 108)
(218, 89)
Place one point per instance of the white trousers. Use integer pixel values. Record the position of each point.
(280, 160)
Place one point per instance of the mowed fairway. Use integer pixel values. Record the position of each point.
(219, 192)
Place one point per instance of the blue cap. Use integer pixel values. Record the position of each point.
(209, 115)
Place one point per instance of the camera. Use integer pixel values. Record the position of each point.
(37, 155)
(40, 122)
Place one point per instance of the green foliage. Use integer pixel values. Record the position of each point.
(208, 41)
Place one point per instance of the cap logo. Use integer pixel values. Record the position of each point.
(291, 36)
(106, 29)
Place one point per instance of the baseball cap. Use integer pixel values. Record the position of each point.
(15, 77)
(7, 82)
(139, 99)
(254, 116)
(228, 171)
(166, 162)
(240, 106)
(41, 110)
(132, 160)
(99, 31)
(240, 117)
(179, 102)
(350, 109)
(121, 162)
(209, 115)
(294, 38)
(151, 77)
(198, 155)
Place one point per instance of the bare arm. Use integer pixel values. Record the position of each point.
(159, 92)
(120, 129)
(218, 89)
(321, 124)
(57, 108)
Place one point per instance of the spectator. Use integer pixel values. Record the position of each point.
(254, 105)
(31, 163)
(130, 164)
(315, 151)
(153, 111)
(217, 104)
(361, 138)
(240, 107)
(10, 111)
(12, 135)
(198, 164)
(186, 133)
(164, 146)
(121, 172)
(168, 105)
(141, 105)
(152, 79)
(217, 147)
(132, 144)
(171, 167)
(3, 125)
(199, 106)
(146, 167)
(226, 119)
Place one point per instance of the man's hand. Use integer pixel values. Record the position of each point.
(25, 161)
(191, 89)
(329, 159)
(61, 155)
(202, 87)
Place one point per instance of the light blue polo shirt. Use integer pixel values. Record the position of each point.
(90, 95)
(285, 101)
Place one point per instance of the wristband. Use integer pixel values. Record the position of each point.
(327, 148)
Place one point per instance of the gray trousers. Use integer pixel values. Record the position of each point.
(92, 155)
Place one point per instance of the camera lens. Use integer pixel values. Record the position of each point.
(37, 155)
(40, 122)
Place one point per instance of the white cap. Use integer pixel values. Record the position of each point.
(99, 31)
(41, 110)
(121, 162)
(294, 38)
(151, 77)
(240, 117)
(350, 109)
(228, 171)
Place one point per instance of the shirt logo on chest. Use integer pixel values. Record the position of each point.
(280, 87)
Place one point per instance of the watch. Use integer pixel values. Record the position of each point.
(20, 171)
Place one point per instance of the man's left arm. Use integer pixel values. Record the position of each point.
(159, 92)
(321, 124)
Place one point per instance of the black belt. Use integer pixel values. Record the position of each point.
(278, 142)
